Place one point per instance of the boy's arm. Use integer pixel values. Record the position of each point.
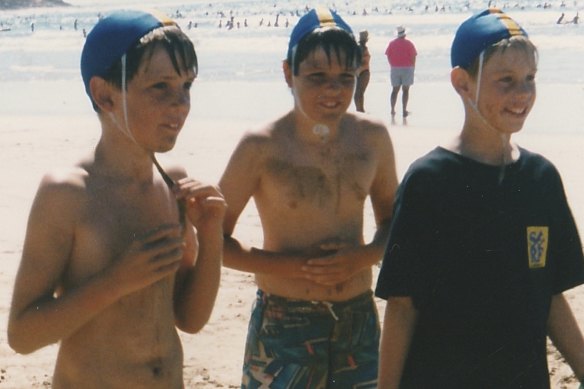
(383, 192)
(254, 260)
(41, 313)
(398, 329)
(37, 317)
(238, 184)
(198, 280)
(564, 332)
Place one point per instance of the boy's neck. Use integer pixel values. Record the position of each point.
(315, 132)
(485, 147)
(124, 159)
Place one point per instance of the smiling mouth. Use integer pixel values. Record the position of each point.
(330, 104)
(517, 111)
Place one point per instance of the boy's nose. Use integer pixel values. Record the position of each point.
(524, 92)
(526, 87)
(181, 98)
(337, 84)
(333, 85)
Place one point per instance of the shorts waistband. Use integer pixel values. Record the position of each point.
(315, 306)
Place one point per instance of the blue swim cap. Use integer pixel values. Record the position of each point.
(112, 37)
(479, 32)
(317, 18)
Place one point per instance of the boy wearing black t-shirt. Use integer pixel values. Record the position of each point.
(483, 242)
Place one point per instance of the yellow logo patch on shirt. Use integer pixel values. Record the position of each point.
(537, 244)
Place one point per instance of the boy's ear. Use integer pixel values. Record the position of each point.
(287, 73)
(101, 93)
(461, 81)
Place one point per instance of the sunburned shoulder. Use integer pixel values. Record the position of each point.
(72, 178)
(365, 122)
(274, 130)
(280, 132)
(362, 126)
(265, 137)
(61, 193)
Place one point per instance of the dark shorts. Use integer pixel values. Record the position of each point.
(303, 344)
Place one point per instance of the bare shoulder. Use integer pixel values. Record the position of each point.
(364, 122)
(64, 184)
(258, 143)
(265, 135)
(371, 130)
(60, 199)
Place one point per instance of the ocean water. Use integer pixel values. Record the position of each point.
(52, 50)
(45, 61)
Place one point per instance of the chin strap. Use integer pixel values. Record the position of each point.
(125, 129)
(125, 98)
(505, 141)
(479, 76)
(182, 212)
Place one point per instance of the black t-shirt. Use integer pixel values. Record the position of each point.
(481, 250)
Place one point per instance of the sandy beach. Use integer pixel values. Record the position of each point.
(38, 137)
(46, 122)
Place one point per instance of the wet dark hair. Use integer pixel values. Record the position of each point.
(177, 44)
(331, 40)
(519, 42)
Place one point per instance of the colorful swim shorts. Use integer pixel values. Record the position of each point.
(294, 344)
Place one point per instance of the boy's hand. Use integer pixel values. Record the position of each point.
(205, 205)
(151, 257)
(336, 266)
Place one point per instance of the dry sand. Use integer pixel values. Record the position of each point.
(41, 138)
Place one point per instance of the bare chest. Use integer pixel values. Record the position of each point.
(112, 218)
(322, 178)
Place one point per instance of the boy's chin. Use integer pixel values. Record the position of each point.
(164, 148)
(516, 127)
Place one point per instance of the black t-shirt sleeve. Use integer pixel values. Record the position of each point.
(565, 241)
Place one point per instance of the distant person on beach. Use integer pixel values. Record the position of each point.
(483, 243)
(363, 73)
(117, 253)
(401, 55)
(314, 323)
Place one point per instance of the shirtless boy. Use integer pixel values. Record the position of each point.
(118, 254)
(314, 323)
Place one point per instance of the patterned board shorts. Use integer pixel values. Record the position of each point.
(297, 344)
